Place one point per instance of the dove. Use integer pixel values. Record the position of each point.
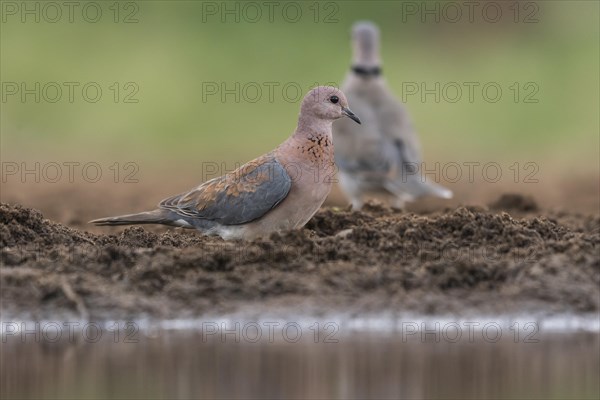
(382, 156)
(280, 190)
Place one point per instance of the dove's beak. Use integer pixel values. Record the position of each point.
(348, 113)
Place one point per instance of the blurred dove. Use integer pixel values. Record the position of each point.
(279, 190)
(382, 156)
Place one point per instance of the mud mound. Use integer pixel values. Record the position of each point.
(19, 226)
(467, 259)
(515, 202)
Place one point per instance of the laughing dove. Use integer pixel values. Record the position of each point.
(280, 190)
(382, 156)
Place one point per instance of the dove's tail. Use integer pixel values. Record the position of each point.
(437, 190)
(149, 217)
(414, 188)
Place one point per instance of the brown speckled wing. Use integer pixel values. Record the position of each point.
(238, 197)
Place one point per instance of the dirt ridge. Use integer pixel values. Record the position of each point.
(379, 259)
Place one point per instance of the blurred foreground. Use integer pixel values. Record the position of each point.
(187, 364)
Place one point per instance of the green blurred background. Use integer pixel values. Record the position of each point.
(176, 47)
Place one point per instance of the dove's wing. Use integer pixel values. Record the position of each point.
(406, 176)
(397, 130)
(360, 150)
(238, 197)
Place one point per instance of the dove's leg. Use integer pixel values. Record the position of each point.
(357, 203)
(400, 201)
(353, 189)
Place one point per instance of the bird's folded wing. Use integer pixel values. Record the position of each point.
(238, 197)
(364, 165)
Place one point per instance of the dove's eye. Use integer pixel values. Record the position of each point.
(334, 99)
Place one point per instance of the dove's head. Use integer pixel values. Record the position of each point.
(365, 42)
(326, 103)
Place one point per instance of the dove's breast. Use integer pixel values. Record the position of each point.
(310, 165)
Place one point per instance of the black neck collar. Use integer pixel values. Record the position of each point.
(366, 71)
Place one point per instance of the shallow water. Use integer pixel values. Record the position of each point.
(301, 360)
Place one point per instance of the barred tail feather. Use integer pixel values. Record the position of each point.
(148, 217)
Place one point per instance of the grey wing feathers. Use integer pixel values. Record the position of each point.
(236, 198)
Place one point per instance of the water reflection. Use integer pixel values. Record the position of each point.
(184, 364)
